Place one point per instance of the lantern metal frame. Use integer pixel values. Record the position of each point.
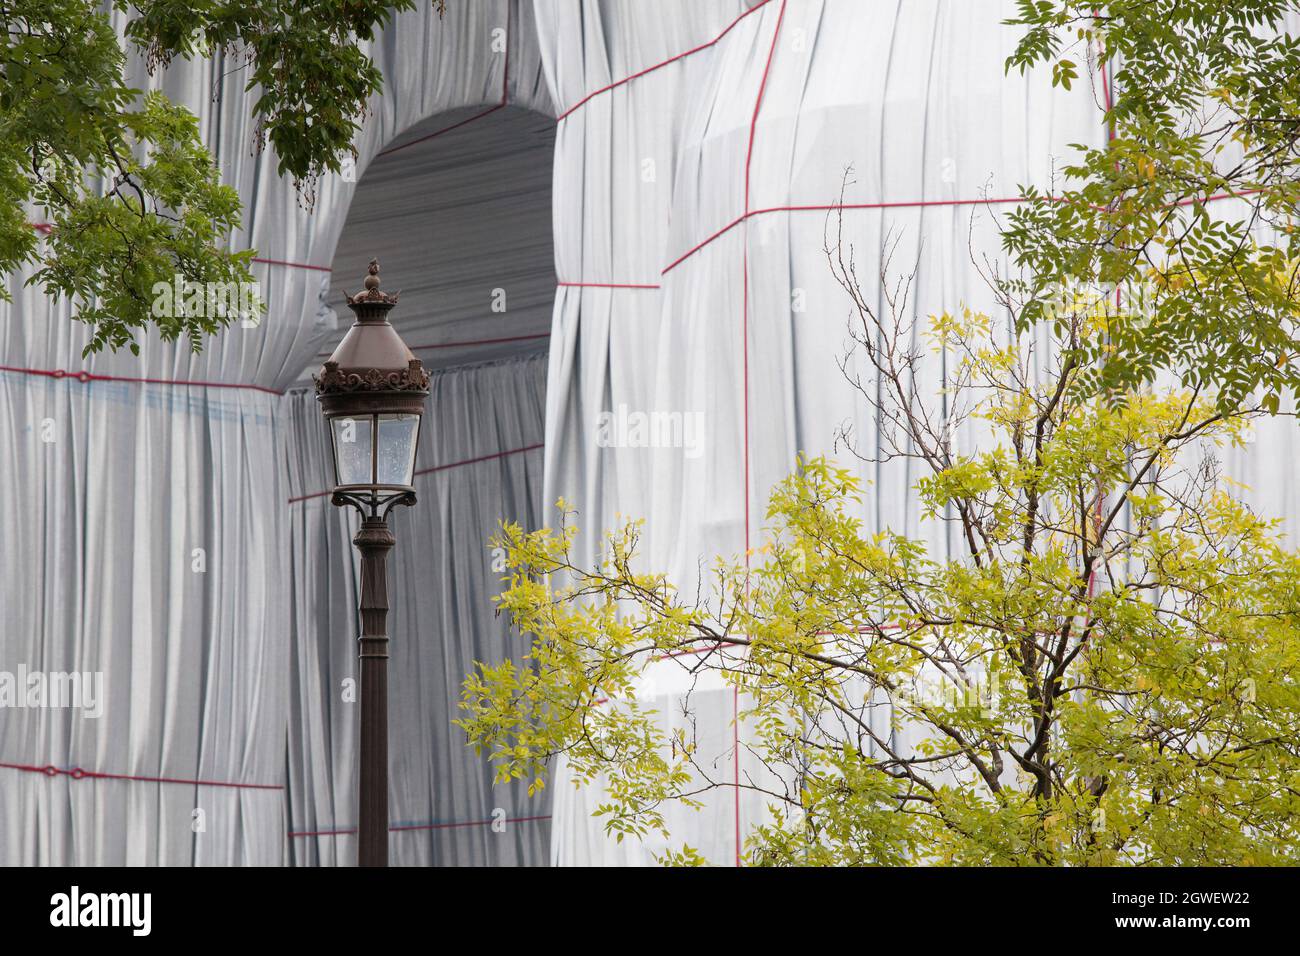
(370, 395)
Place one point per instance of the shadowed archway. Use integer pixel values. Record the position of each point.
(459, 215)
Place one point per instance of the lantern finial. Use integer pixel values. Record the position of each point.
(371, 293)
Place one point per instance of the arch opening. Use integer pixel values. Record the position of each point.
(460, 219)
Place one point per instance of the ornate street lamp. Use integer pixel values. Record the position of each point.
(372, 393)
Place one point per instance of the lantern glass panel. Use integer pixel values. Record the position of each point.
(353, 448)
(396, 448)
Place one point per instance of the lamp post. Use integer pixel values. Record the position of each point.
(372, 392)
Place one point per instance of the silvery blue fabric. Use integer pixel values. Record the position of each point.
(654, 195)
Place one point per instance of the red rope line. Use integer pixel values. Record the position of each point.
(445, 129)
(830, 207)
(481, 458)
(505, 99)
(906, 204)
(438, 468)
(48, 228)
(744, 341)
(77, 773)
(407, 828)
(606, 285)
(84, 377)
(466, 344)
(825, 207)
(292, 265)
(658, 66)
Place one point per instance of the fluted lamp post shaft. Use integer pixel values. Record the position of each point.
(374, 541)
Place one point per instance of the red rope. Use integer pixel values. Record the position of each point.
(292, 265)
(481, 458)
(47, 228)
(830, 207)
(605, 285)
(744, 339)
(406, 828)
(466, 344)
(906, 204)
(445, 129)
(84, 377)
(505, 99)
(659, 66)
(77, 773)
(466, 823)
(438, 468)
